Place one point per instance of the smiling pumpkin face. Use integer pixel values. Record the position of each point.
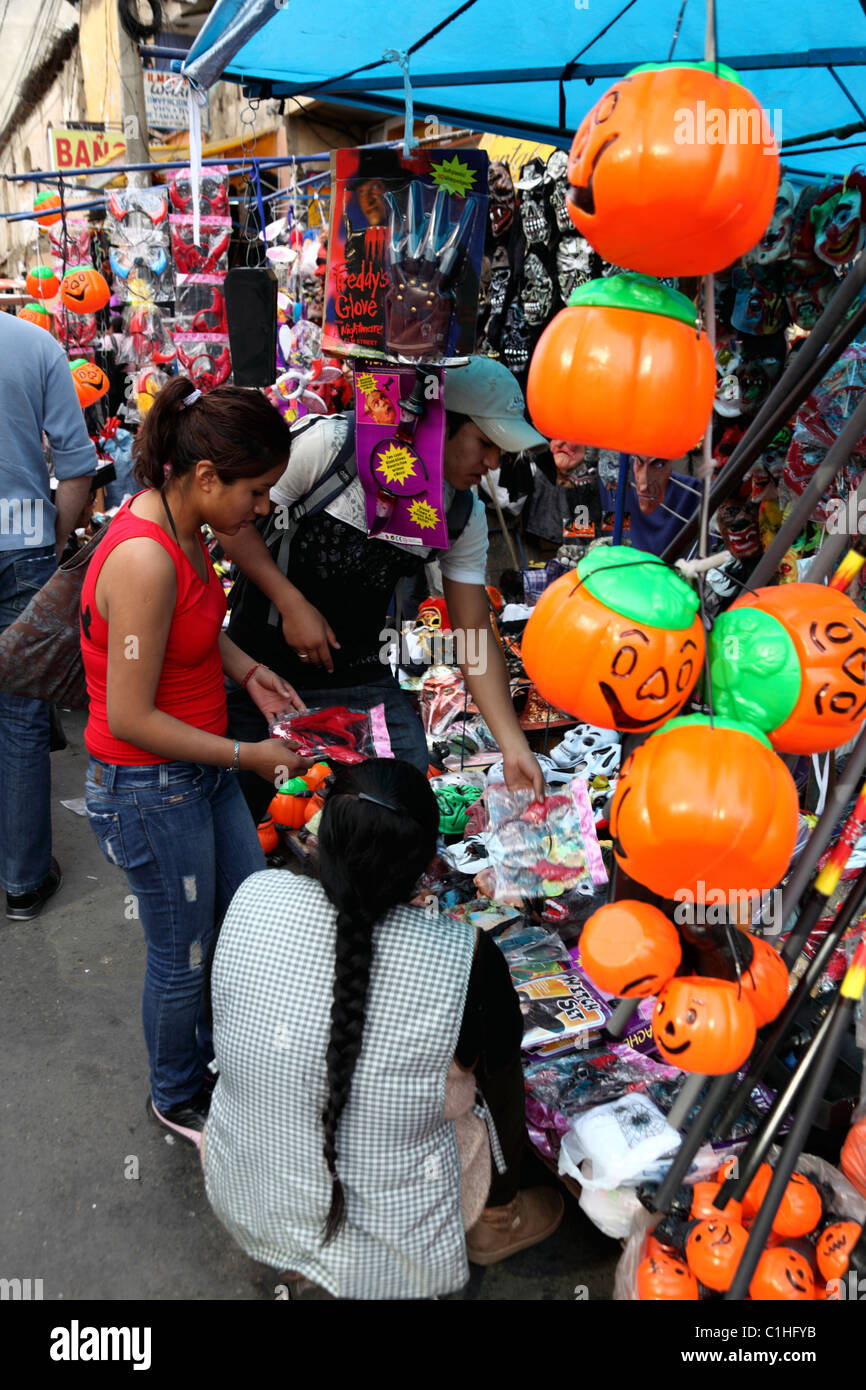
(619, 643)
(706, 195)
(703, 1025)
(661, 1278)
(713, 1251)
(782, 1276)
(84, 290)
(834, 1247)
(90, 382)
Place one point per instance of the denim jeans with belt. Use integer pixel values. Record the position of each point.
(25, 734)
(186, 841)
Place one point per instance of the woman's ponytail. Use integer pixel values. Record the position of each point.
(235, 427)
(156, 445)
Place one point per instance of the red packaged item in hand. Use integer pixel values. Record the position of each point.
(339, 734)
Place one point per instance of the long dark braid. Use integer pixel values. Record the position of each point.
(378, 834)
(354, 956)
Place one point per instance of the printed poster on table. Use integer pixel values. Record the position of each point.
(400, 463)
(405, 245)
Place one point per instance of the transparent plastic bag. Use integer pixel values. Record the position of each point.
(847, 1205)
(542, 849)
(338, 734)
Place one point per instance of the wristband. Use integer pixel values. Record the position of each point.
(249, 675)
(236, 765)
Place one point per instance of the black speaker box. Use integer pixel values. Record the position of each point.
(251, 310)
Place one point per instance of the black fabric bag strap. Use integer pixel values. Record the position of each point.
(344, 468)
(458, 514)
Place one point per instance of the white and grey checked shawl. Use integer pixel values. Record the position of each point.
(397, 1157)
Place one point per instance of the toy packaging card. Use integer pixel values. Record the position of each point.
(559, 1007)
(399, 453)
(404, 252)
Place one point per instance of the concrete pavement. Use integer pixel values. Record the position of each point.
(95, 1199)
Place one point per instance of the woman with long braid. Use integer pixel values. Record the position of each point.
(341, 1142)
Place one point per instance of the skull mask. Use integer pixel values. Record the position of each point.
(573, 264)
(515, 341)
(499, 278)
(557, 183)
(536, 293)
(533, 214)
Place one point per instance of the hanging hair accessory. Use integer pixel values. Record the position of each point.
(193, 396)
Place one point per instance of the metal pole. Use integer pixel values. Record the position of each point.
(838, 454)
(132, 105)
(804, 368)
(781, 1026)
(270, 162)
(797, 1135)
(758, 1146)
(619, 511)
(837, 800)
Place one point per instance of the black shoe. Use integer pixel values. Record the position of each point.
(187, 1119)
(21, 907)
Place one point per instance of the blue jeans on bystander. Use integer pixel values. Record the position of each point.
(25, 732)
(186, 841)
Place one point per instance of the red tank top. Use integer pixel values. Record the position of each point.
(191, 683)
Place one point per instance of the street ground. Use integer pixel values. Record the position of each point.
(97, 1201)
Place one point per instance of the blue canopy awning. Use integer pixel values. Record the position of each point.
(500, 66)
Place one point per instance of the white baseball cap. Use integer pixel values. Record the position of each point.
(486, 391)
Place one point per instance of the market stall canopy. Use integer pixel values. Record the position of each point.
(495, 65)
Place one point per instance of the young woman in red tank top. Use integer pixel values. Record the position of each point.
(162, 795)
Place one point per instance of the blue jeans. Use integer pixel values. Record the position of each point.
(408, 741)
(25, 768)
(186, 841)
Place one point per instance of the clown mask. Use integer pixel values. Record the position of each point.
(838, 225)
(775, 244)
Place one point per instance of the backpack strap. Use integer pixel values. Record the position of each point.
(458, 514)
(341, 471)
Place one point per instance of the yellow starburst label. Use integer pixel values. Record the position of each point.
(396, 464)
(424, 516)
(454, 176)
(366, 383)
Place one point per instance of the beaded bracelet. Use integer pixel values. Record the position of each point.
(249, 675)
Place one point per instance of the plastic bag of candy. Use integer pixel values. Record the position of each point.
(542, 849)
(339, 734)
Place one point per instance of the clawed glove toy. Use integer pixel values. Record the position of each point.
(423, 255)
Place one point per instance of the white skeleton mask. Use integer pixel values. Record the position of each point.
(555, 178)
(536, 293)
(573, 264)
(515, 342)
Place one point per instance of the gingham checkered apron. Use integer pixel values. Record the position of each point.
(397, 1157)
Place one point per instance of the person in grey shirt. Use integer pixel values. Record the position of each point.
(37, 396)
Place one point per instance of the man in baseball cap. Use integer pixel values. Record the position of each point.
(486, 391)
(334, 585)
